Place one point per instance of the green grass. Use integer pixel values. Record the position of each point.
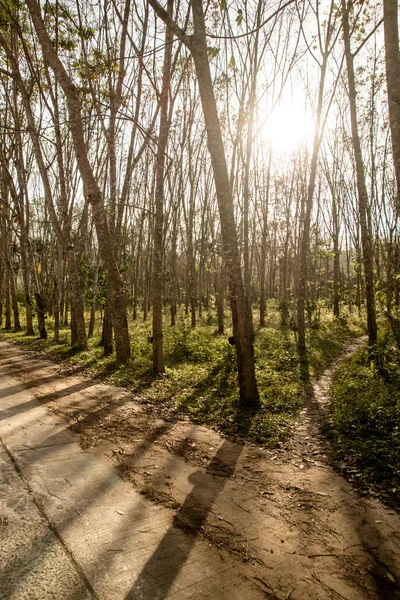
(201, 377)
(364, 421)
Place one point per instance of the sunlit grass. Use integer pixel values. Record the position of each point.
(200, 379)
(364, 421)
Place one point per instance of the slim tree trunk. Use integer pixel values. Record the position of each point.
(8, 303)
(242, 326)
(336, 256)
(197, 44)
(366, 244)
(1, 293)
(158, 253)
(305, 237)
(106, 336)
(264, 237)
(78, 328)
(391, 28)
(94, 302)
(15, 308)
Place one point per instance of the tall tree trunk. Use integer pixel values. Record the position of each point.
(264, 238)
(240, 316)
(305, 237)
(220, 293)
(13, 290)
(158, 253)
(197, 44)
(336, 256)
(8, 303)
(1, 293)
(78, 327)
(106, 335)
(361, 184)
(246, 183)
(391, 28)
(58, 296)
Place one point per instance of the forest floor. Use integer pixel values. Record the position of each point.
(189, 514)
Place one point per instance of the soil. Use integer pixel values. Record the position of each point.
(305, 531)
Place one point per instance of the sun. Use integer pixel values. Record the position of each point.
(287, 128)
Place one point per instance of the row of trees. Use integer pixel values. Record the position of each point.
(137, 169)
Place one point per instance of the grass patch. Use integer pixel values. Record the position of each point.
(201, 375)
(364, 421)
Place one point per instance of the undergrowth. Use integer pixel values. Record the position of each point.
(201, 376)
(364, 421)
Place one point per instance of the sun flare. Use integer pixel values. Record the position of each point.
(287, 128)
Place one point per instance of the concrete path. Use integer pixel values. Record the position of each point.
(71, 528)
(196, 515)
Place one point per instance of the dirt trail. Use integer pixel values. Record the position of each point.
(293, 525)
(307, 444)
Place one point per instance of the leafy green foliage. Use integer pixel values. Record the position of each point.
(364, 421)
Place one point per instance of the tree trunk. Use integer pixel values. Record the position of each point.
(94, 302)
(8, 303)
(361, 184)
(41, 316)
(242, 327)
(1, 293)
(15, 308)
(78, 327)
(264, 238)
(158, 253)
(391, 28)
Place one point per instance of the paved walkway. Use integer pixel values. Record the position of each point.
(218, 521)
(71, 528)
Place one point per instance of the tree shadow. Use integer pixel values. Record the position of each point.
(45, 399)
(191, 518)
(371, 539)
(91, 493)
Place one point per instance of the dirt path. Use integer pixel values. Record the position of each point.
(279, 523)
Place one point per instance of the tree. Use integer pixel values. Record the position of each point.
(361, 183)
(197, 45)
(92, 189)
(391, 28)
(326, 47)
(158, 350)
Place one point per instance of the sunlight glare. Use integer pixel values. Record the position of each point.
(287, 128)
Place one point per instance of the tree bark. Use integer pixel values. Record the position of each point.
(41, 316)
(367, 256)
(158, 253)
(391, 28)
(197, 44)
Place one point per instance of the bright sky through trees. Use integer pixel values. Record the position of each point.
(287, 128)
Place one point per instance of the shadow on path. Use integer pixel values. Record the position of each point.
(155, 580)
(37, 401)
